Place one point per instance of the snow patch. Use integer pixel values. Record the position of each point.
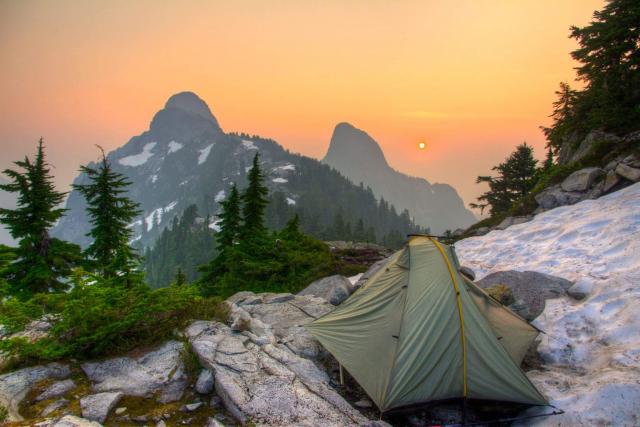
(140, 158)
(174, 146)
(288, 167)
(204, 153)
(279, 180)
(154, 178)
(135, 223)
(249, 145)
(220, 196)
(155, 217)
(290, 201)
(591, 347)
(215, 225)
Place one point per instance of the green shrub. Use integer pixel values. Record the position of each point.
(98, 320)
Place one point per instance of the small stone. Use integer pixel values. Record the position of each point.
(212, 422)
(190, 407)
(205, 382)
(364, 403)
(73, 421)
(54, 406)
(121, 410)
(625, 171)
(468, 273)
(161, 424)
(187, 421)
(140, 418)
(96, 407)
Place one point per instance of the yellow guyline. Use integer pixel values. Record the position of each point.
(455, 286)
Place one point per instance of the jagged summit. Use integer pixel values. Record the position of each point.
(358, 156)
(349, 144)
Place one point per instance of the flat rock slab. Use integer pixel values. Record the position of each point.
(56, 389)
(73, 421)
(279, 319)
(96, 407)
(530, 289)
(161, 370)
(14, 386)
(268, 383)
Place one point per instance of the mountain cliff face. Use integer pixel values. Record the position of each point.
(185, 159)
(357, 156)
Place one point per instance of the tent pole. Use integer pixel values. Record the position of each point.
(341, 375)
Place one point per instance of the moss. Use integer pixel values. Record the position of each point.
(502, 294)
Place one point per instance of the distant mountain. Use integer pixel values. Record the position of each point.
(185, 159)
(357, 156)
(7, 201)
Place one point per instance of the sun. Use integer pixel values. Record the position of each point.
(422, 145)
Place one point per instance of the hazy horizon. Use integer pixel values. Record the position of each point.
(83, 74)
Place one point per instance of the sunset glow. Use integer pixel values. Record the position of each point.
(478, 77)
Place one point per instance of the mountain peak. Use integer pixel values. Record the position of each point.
(189, 101)
(350, 144)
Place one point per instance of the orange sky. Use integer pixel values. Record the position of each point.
(471, 78)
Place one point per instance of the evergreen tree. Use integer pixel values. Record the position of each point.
(229, 220)
(110, 213)
(181, 279)
(517, 175)
(42, 263)
(254, 201)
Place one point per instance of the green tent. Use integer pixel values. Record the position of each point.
(419, 331)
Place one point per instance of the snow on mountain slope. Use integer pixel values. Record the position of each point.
(592, 347)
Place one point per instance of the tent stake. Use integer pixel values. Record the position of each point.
(341, 375)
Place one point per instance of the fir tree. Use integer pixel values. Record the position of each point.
(517, 175)
(42, 262)
(229, 220)
(254, 200)
(111, 211)
(180, 279)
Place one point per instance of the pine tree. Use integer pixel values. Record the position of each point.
(110, 213)
(229, 221)
(517, 176)
(548, 161)
(254, 200)
(42, 262)
(181, 279)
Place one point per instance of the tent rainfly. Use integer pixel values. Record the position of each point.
(418, 331)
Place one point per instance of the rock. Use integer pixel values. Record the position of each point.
(458, 232)
(56, 389)
(96, 407)
(529, 288)
(275, 298)
(161, 424)
(36, 329)
(73, 421)
(586, 146)
(364, 403)
(581, 289)
(269, 383)
(140, 419)
(501, 293)
(512, 220)
(283, 322)
(334, 289)
(121, 410)
(190, 407)
(159, 371)
(481, 231)
(627, 172)
(581, 180)
(14, 386)
(370, 272)
(611, 165)
(468, 272)
(204, 385)
(555, 196)
(212, 422)
(54, 406)
(611, 180)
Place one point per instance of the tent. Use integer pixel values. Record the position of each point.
(419, 331)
